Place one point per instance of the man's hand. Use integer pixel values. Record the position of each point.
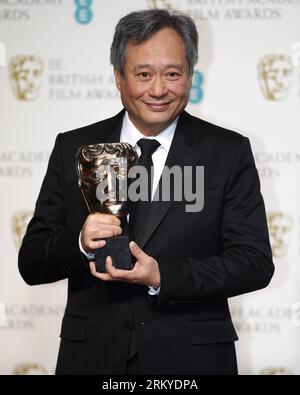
(145, 271)
(96, 227)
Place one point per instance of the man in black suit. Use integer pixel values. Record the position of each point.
(169, 314)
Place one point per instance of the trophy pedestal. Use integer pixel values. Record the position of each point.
(118, 249)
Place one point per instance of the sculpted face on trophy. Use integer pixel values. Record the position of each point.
(103, 176)
(103, 171)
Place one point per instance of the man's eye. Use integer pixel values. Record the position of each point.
(173, 75)
(144, 74)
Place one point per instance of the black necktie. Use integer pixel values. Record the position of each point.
(139, 209)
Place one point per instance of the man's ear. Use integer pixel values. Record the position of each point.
(118, 78)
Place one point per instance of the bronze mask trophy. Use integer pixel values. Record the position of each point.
(103, 179)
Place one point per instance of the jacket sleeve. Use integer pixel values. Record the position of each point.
(50, 250)
(245, 263)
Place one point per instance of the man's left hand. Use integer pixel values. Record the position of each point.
(145, 271)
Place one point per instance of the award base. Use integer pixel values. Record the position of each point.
(118, 249)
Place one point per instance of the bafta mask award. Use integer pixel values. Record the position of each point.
(103, 179)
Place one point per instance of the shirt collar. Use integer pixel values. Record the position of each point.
(131, 135)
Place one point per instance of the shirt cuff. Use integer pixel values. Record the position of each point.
(154, 291)
(88, 255)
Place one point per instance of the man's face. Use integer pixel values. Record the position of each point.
(156, 83)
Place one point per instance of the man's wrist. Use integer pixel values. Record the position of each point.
(88, 255)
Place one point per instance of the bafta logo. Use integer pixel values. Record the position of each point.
(29, 369)
(19, 223)
(161, 4)
(274, 73)
(25, 75)
(276, 371)
(280, 226)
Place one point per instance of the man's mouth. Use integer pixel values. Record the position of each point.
(158, 106)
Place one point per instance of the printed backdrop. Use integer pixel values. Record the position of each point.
(55, 75)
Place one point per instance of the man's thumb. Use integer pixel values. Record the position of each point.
(136, 251)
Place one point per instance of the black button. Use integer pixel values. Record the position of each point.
(128, 325)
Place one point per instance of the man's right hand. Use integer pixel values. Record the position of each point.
(97, 227)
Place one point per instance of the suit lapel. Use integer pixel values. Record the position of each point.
(181, 154)
(112, 131)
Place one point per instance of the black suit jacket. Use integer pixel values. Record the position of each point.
(204, 258)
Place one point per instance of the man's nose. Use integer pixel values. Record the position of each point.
(158, 88)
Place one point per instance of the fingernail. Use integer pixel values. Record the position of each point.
(102, 243)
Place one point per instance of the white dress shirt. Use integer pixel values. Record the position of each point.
(130, 134)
